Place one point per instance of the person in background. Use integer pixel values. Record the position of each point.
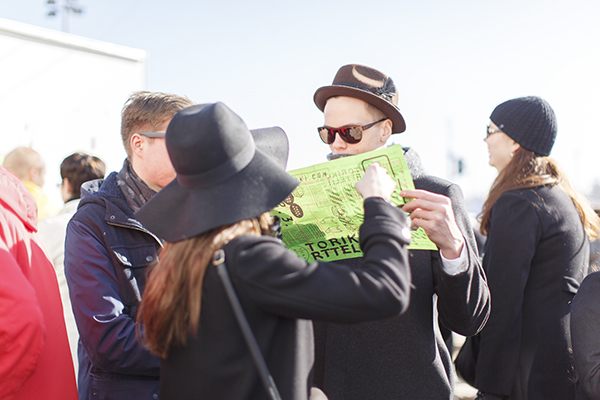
(535, 257)
(585, 335)
(107, 252)
(35, 362)
(74, 171)
(404, 357)
(28, 165)
(219, 206)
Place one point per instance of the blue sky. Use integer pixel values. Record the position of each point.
(452, 61)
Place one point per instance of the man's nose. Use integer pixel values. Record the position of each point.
(338, 143)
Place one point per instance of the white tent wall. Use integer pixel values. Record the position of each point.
(61, 93)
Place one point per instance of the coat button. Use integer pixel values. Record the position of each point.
(112, 217)
(149, 258)
(155, 396)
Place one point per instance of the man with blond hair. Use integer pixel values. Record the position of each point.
(28, 165)
(107, 254)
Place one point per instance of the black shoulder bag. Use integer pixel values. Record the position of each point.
(219, 262)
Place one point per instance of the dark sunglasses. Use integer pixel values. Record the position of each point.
(152, 134)
(349, 134)
(490, 131)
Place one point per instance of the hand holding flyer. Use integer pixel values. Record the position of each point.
(320, 219)
(375, 183)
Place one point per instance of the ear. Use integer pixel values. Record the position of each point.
(32, 174)
(514, 147)
(66, 185)
(386, 130)
(137, 143)
(66, 190)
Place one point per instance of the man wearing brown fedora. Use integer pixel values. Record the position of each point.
(108, 252)
(403, 357)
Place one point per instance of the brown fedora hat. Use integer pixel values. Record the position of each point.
(367, 84)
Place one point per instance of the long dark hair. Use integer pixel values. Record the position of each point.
(526, 170)
(170, 308)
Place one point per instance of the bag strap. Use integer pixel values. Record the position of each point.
(218, 261)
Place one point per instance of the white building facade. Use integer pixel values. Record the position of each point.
(61, 93)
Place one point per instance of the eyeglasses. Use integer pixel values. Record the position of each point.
(349, 134)
(490, 131)
(152, 134)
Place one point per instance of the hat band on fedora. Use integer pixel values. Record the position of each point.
(220, 173)
(387, 91)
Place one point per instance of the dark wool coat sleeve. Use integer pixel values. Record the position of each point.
(463, 299)
(334, 292)
(585, 335)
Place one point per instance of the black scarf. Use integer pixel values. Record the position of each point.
(135, 190)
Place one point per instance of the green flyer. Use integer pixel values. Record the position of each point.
(320, 219)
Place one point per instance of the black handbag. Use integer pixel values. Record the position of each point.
(267, 380)
(466, 359)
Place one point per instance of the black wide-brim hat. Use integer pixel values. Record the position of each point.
(367, 84)
(225, 173)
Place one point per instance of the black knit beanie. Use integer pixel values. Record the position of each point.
(529, 121)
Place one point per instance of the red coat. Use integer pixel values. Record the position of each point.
(35, 360)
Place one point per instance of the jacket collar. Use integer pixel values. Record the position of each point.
(107, 193)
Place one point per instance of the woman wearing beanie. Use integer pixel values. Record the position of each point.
(535, 257)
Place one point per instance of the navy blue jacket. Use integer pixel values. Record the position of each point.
(107, 253)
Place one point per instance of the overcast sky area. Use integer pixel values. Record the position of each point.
(452, 62)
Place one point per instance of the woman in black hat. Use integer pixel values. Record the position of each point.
(228, 179)
(535, 257)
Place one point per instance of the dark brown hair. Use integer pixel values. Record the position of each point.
(146, 111)
(79, 168)
(526, 170)
(170, 309)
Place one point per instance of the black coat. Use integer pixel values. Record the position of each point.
(280, 293)
(535, 257)
(405, 357)
(585, 333)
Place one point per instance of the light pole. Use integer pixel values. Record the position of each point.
(67, 7)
